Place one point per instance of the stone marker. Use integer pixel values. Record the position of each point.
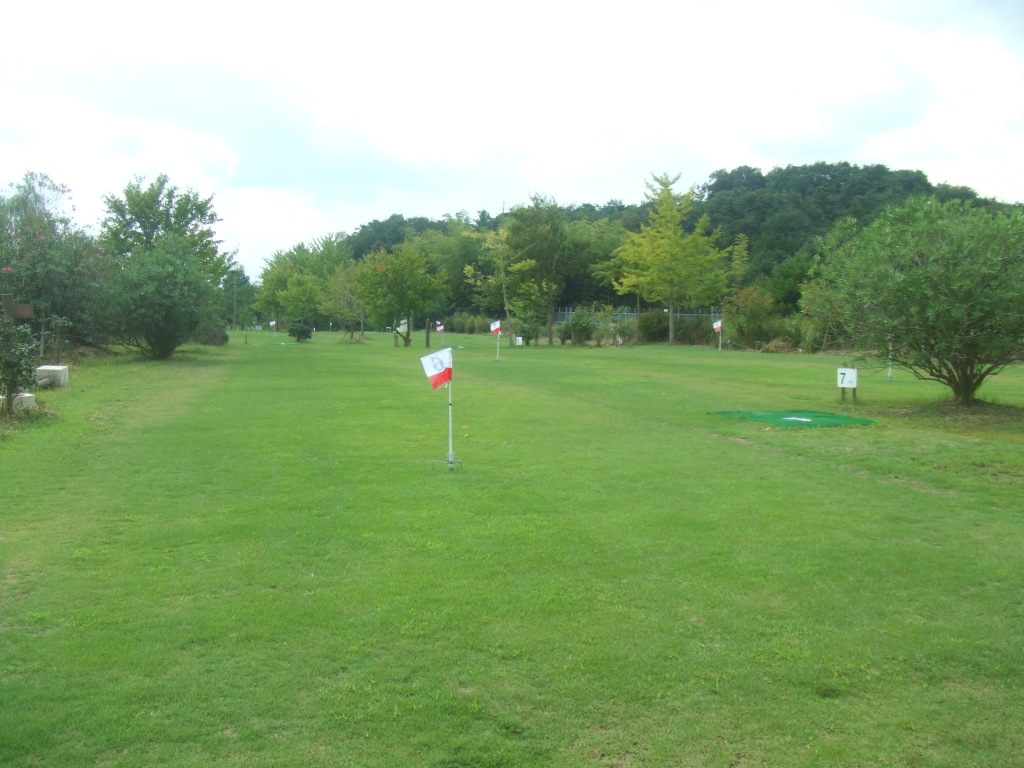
(52, 376)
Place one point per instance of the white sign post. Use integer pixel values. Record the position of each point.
(848, 380)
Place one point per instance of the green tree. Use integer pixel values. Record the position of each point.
(294, 283)
(302, 296)
(540, 228)
(17, 360)
(340, 300)
(162, 299)
(589, 242)
(935, 288)
(169, 265)
(54, 265)
(237, 297)
(397, 287)
(136, 221)
(664, 263)
(274, 281)
(501, 280)
(786, 280)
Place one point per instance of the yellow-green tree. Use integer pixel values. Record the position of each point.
(664, 263)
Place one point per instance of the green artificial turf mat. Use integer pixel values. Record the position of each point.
(797, 418)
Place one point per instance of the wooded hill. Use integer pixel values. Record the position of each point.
(781, 212)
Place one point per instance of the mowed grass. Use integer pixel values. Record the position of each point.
(249, 557)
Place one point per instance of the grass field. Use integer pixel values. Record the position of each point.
(248, 557)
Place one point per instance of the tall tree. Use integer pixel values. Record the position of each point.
(237, 296)
(540, 228)
(302, 296)
(935, 288)
(450, 252)
(273, 281)
(590, 242)
(54, 265)
(664, 263)
(340, 300)
(294, 282)
(136, 221)
(170, 264)
(397, 287)
(501, 281)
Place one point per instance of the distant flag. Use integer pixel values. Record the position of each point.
(273, 323)
(496, 326)
(718, 326)
(438, 367)
(440, 328)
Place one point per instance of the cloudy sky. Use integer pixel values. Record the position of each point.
(306, 118)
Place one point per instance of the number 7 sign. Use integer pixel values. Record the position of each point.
(847, 378)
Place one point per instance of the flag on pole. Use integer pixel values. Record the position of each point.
(440, 328)
(273, 323)
(438, 367)
(718, 326)
(496, 326)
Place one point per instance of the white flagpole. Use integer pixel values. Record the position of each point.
(721, 332)
(451, 451)
(497, 356)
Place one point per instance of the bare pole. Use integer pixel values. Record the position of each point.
(451, 451)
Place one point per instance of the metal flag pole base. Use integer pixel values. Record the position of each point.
(451, 461)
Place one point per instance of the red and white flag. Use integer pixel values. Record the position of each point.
(718, 326)
(438, 367)
(496, 326)
(273, 323)
(440, 328)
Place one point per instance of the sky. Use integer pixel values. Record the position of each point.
(303, 119)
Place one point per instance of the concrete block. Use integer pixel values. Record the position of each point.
(52, 376)
(24, 400)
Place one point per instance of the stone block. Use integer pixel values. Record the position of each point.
(23, 400)
(52, 376)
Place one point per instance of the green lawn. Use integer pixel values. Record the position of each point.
(249, 557)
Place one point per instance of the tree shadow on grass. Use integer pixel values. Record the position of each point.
(981, 415)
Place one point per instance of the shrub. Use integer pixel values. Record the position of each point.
(466, 322)
(17, 361)
(753, 321)
(212, 331)
(652, 327)
(625, 331)
(579, 328)
(300, 332)
(603, 324)
(564, 332)
(778, 346)
(695, 329)
(529, 327)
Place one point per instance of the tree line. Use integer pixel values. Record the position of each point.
(746, 244)
(525, 262)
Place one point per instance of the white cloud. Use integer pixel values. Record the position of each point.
(316, 119)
